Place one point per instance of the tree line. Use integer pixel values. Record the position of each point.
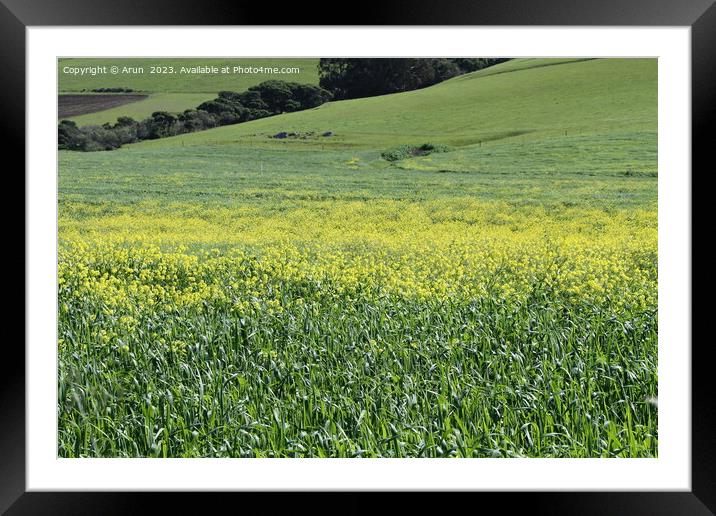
(350, 78)
(266, 99)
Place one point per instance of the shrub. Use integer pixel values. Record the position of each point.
(125, 121)
(113, 90)
(274, 93)
(259, 113)
(216, 106)
(197, 120)
(397, 153)
(429, 148)
(292, 105)
(68, 135)
(252, 100)
(407, 151)
(309, 96)
(162, 124)
(100, 138)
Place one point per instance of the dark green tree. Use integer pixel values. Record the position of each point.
(348, 78)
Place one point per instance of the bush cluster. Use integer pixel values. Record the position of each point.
(407, 151)
(266, 99)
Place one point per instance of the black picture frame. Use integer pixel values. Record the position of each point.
(700, 15)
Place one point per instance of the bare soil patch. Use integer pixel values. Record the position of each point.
(73, 105)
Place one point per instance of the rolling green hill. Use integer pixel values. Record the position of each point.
(177, 91)
(519, 100)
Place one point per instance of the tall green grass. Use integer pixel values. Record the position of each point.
(366, 376)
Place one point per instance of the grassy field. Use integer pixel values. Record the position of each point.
(227, 294)
(173, 92)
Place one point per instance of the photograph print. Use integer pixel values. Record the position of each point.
(357, 257)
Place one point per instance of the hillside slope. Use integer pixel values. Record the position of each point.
(524, 99)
